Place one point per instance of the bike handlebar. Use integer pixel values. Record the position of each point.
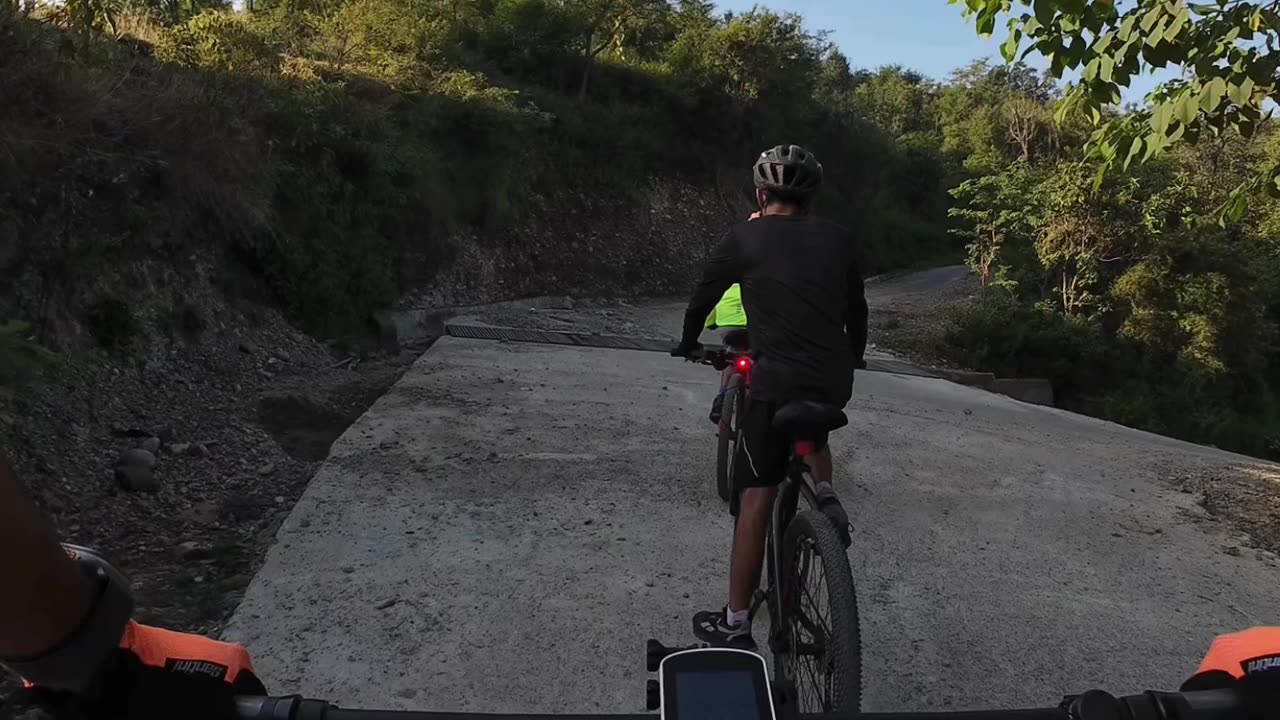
(1223, 704)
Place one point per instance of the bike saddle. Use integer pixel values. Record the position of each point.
(800, 417)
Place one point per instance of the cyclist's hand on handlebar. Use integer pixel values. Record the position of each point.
(1235, 656)
(1249, 659)
(158, 674)
(686, 350)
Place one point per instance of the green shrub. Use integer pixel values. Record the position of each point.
(999, 334)
(218, 41)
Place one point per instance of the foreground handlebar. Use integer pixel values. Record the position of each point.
(1226, 704)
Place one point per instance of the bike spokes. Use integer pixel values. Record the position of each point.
(808, 663)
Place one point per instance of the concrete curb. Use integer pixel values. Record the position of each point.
(1036, 391)
(1029, 390)
(401, 327)
(983, 380)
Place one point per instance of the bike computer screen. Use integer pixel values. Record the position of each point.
(715, 684)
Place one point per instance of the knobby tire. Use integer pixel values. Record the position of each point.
(811, 533)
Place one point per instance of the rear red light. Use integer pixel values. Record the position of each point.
(744, 364)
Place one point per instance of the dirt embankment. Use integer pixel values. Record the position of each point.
(179, 449)
(180, 466)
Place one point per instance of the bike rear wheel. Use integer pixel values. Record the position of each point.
(820, 641)
(727, 442)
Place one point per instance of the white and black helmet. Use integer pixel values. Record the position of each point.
(788, 171)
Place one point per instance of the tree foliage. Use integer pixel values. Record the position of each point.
(1228, 52)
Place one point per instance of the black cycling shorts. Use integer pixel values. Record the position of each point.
(764, 451)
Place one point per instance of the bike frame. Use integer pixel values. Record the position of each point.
(739, 386)
(795, 486)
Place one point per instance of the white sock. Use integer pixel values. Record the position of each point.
(734, 618)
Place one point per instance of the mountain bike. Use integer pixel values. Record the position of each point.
(729, 430)
(813, 610)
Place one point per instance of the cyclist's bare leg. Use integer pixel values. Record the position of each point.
(820, 466)
(725, 376)
(748, 546)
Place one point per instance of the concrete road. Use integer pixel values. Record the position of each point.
(504, 529)
(895, 289)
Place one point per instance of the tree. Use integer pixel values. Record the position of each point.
(982, 109)
(758, 66)
(996, 211)
(895, 99)
(88, 16)
(1027, 123)
(606, 25)
(173, 12)
(386, 38)
(1080, 233)
(1228, 52)
(528, 37)
(836, 81)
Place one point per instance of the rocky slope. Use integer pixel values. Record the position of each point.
(178, 450)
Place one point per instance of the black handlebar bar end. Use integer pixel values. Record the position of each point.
(1093, 705)
(251, 707)
(293, 707)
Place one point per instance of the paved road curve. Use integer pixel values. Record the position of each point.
(885, 292)
(505, 527)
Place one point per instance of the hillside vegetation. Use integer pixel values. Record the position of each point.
(328, 146)
(331, 156)
(1133, 255)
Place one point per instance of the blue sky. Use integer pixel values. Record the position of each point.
(928, 36)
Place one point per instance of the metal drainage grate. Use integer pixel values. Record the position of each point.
(622, 342)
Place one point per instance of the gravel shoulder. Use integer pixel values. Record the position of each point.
(181, 467)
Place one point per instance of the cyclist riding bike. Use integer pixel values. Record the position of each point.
(802, 288)
(729, 316)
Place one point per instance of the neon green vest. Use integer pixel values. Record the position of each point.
(729, 312)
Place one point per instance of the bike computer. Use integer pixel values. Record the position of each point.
(715, 684)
